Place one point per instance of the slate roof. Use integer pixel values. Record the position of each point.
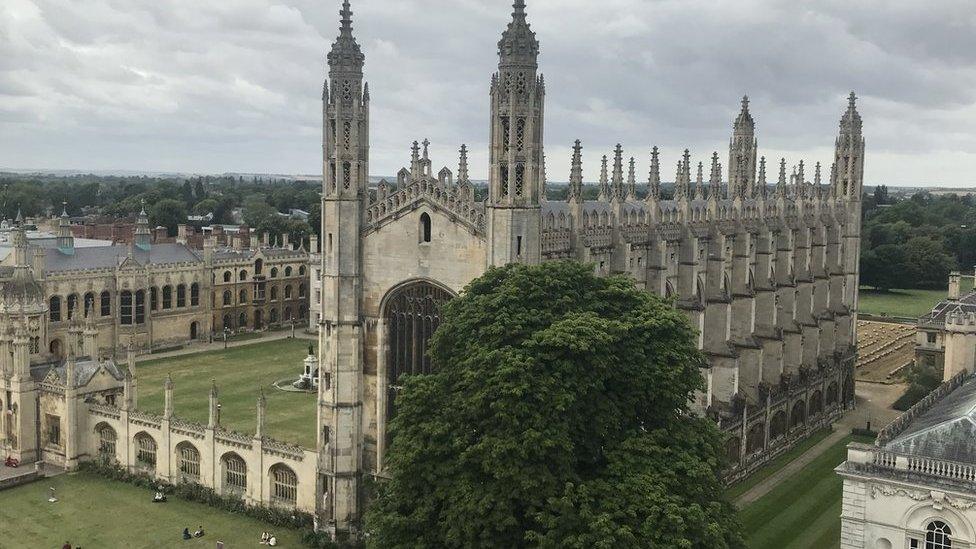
(946, 431)
(965, 304)
(112, 256)
(85, 370)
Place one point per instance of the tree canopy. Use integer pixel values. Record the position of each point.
(556, 416)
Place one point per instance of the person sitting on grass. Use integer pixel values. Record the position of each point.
(273, 541)
(199, 532)
(159, 497)
(186, 534)
(265, 537)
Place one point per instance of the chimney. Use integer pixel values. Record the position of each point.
(313, 244)
(266, 239)
(209, 243)
(954, 279)
(284, 241)
(182, 234)
(236, 242)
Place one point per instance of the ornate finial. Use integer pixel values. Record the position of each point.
(654, 177)
(64, 209)
(744, 122)
(426, 144)
(604, 180)
(632, 180)
(762, 177)
(618, 172)
(816, 176)
(142, 202)
(415, 151)
(463, 165)
(781, 182)
(852, 101)
(345, 51)
(518, 45)
(715, 181)
(679, 187)
(576, 173)
(745, 103)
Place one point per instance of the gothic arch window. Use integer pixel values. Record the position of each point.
(274, 272)
(154, 299)
(227, 323)
(274, 293)
(288, 270)
(301, 290)
(235, 473)
(258, 266)
(412, 313)
(284, 484)
(145, 451)
(346, 175)
(125, 307)
(242, 321)
(140, 314)
(938, 535)
(54, 306)
(167, 297)
(106, 442)
(227, 276)
(243, 275)
(301, 271)
(243, 296)
(106, 303)
(425, 227)
(228, 300)
(194, 295)
(288, 292)
(181, 295)
(188, 460)
(273, 316)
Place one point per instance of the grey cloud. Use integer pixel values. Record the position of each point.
(234, 85)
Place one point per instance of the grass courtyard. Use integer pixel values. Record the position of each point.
(904, 303)
(803, 512)
(96, 513)
(240, 372)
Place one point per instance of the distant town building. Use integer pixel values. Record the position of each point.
(946, 336)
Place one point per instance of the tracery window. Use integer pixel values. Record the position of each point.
(125, 307)
(519, 179)
(167, 297)
(346, 133)
(189, 460)
(235, 472)
(506, 132)
(504, 179)
(106, 443)
(181, 295)
(106, 304)
(54, 306)
(519, 134)
(288, 271)
(227, 276)
(346, 91)
(346, 175)
(412, 314)
(35, 345)
(145, 451)
(194, 294)
(228, 300)
(284, 484)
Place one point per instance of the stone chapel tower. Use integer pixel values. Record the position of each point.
(847, 185)
(742, 155)
(345, 176)
(516, 154)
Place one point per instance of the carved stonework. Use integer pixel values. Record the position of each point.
(939, 499)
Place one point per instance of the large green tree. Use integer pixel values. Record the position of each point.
(557, 416)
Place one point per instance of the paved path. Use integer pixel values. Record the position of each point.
(873, 405)
(217, 345)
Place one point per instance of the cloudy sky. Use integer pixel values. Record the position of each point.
(234, 85)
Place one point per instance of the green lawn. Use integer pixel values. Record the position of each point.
(905, 303)
(802, 512)
(241, 372)
(776, 464)
(97, 513)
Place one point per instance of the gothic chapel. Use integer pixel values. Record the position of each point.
(767, 270)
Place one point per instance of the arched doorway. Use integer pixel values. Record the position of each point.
(413, 313)
(194, 328)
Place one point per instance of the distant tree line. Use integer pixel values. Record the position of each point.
(915, 242)
(168, 201)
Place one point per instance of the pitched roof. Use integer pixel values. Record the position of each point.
(947, 430)
(109, 257)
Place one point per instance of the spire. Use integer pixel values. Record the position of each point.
(800, 184)
(426, 144)
(816, 178)
(680, 190)
(715, 181)
(463, 165)
(742, 154)
(761, 187)
(65, 240)
(576, 174)
(781, 182)
(346, 55)
(700, 182)
(618, 173)
(518, 46)
(848, 178)
(416, 169)
(143, 238)
(654, 178)
(850, 123)
(604, 183)
(632, 180)
(744, 121)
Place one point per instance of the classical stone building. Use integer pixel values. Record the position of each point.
(767, 270)
(83, 406)
(946, 336)
(915, 487)
(152, 296)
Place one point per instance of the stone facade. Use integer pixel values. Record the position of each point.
(915, 487)
(152, 296)
(946, 336)
(767, 271)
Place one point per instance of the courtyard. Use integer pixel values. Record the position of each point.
(96, 513)
(240, 373)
